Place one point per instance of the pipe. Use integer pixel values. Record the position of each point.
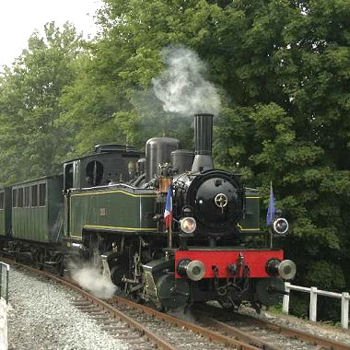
(203, 142)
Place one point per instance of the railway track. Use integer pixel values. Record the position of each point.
(210, 328)
(262, 333)
(140, 326)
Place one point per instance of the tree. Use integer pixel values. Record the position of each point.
(283, 69)
(116, 94)
(291, 78)
(32, 142)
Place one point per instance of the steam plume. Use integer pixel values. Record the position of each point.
(91, 279)
(182, 87)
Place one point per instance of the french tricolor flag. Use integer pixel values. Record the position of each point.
(168, 212)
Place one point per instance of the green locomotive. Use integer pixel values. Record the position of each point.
(108, 207)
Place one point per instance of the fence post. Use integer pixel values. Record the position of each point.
(345, 310)
(7, 283)
(1, 267)
(313, 304)
(4, 281)
(285, 306)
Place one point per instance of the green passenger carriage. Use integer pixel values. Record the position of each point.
(37, 210)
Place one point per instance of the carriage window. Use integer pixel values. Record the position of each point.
(26, 197)
(20, 198)
(42, 195)
(34, 195)
(2, 200)
(68, 176)
(14, 198)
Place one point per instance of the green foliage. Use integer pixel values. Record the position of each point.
(283, 71)
(112, 94)
(31, 141)
(288, 123)
(327, 276)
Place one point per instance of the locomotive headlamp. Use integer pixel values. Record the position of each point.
(188, 225)
(280, 226)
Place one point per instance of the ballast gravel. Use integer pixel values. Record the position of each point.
(319, 328)
(42, 317)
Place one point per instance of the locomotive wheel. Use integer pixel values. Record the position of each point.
(228, 305)
(60, 264)
(39, 258)
(96, 258)
(172, 293)
(119, 270)
(266, 291)
(136, 297)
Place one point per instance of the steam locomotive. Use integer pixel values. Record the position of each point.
(109, 207)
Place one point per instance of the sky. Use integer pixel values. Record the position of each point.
(20, 18)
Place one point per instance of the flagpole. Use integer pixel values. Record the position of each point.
(271, 237)
(170, 236)
(168, 216)
(272, 208)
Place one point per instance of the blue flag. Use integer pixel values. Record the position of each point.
(271, 211)
(168, 212)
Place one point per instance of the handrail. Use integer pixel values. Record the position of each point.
(314, 292)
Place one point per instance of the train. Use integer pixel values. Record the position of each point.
(163, 225)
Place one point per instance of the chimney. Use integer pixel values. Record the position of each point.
(203, 141)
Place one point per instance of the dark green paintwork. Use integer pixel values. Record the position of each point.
(251, 221)
(2, 222)
(40, 223)
(111, 209)
(5, 213)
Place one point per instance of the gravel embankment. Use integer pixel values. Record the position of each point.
(41, 317)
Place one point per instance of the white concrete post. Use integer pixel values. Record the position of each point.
(285, 306)
(345, 310)
(3, 325)
(313, 304)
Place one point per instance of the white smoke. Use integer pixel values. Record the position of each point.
(182, 87)
(91, 279)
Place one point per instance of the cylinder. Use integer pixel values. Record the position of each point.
(181, 160)
(158, 150)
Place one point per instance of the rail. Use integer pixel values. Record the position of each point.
(314, 292)
(4, 281)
